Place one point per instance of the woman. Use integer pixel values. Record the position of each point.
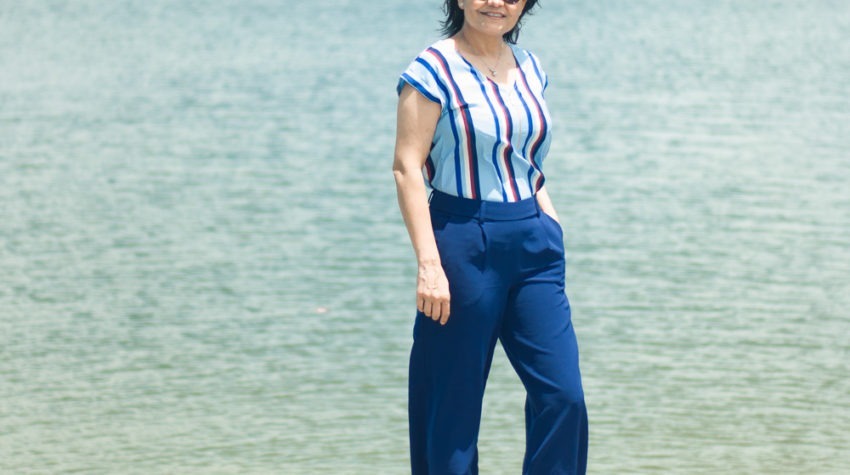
(472, 118)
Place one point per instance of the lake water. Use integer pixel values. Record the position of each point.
(203, 268)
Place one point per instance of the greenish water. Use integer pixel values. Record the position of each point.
(203, 270)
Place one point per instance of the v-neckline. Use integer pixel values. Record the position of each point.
(509, 85)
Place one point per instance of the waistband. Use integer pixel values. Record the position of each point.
(484, 210)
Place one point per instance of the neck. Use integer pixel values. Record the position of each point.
(482, 45)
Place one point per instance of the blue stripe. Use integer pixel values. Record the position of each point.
(445, 89)
(537, 71)
(509, 148)
(527, 137)
(543, 130)
(419, 87)
(496, 142)
(469, 129)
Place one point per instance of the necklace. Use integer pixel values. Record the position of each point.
(492, 70)
(498, 61)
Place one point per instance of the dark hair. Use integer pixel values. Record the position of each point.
(454, 20)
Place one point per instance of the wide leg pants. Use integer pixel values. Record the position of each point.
(505, 266)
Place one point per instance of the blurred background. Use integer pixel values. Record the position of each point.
(203, 268)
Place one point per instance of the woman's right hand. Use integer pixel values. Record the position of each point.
(432, 292)
(417, 120)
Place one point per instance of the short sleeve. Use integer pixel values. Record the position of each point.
(423, 76)
(539, 72)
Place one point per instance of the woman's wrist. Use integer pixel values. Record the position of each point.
(428, 260)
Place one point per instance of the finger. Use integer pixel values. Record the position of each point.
(427, 308)
(437, 311)
(445, 313)
(420, 304)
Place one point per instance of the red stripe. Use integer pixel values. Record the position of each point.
(541, 132)
(506, 151)
(470, 153)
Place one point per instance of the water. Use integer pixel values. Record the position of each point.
(204, 270)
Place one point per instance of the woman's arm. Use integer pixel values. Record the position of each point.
(416, 122)
(546, 203)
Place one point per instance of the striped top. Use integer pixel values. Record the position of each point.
(491, 138)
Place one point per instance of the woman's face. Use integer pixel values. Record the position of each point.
(491, 17)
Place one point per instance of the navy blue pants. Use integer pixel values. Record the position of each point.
(505, 266)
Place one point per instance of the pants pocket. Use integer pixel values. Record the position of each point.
(553, 223)
(462, 247)
(554, 231)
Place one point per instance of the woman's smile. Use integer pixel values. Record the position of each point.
(494, 15)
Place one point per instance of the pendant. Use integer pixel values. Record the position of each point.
(492, 72)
